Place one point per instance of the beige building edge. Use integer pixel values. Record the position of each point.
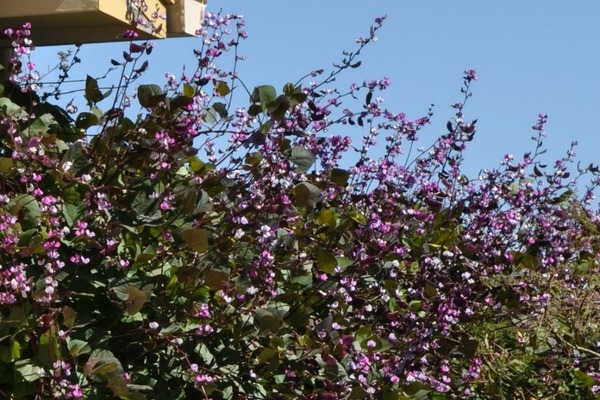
(58, 22)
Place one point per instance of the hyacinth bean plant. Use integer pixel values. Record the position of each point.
(218, 247)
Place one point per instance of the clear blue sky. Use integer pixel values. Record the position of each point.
(531, 56)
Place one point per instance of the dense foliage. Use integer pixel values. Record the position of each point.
(200, 250)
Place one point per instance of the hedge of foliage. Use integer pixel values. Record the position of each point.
(205, 250)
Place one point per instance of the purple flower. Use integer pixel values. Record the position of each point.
(470, 75)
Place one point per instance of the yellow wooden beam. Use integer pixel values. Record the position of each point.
(184, 17)
(84, 21)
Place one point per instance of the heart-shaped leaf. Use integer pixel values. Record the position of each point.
(303, 158)
(135, 301)
(150, 95)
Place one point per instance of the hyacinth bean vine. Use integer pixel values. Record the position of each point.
(214, 247)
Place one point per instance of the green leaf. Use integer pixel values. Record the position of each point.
(28, 370)
(6, 164)
(11, 352)
(278, 107)
(304, 281)
(327, 218)
(294, 94)
(357, 216)
(266, 127)
(144, 206)
(122, 288)
(104, 369)
(264, 95)
(78, 347)
(216, 279)
(132, 396)
(25, 202)
(266, 354)
(415, 305)
(211, 116)
(196, 239)
(468, 347)
(150, 95)
(289, 89)
(30, 238)
(430, 292)
(363, 333)
(417, 390)
(107, 93)
(307, 194)
(298, 316)
(221, 109)
(204, 203)
(365, 343)
(102, 365)
(332, 371)
(284, 145)
(213, 185)
(118, 385)
(222, 88)
(86, 120)
(189, 203)
(303, 158)
(17, 317)
(188, 90)
(343, 262)
(297, 98)
(267, 322)
(72, 213)
(135, 301)
(358, 393)
(49, 348)
(8, 108)
(40, 125)
(69, 316)
(583, 378)
(76, 160)
(92, 91)
(133, 386)
(196, 164)
(326, 261)
(61, 145)
(340, 176)
(254, 110)
(178, 102)
(253, 159)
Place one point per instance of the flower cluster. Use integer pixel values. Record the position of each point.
(242, 245)
(22, 70)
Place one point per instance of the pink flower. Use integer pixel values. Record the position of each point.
(470, 75)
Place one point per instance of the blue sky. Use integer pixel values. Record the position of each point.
(531, 56)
